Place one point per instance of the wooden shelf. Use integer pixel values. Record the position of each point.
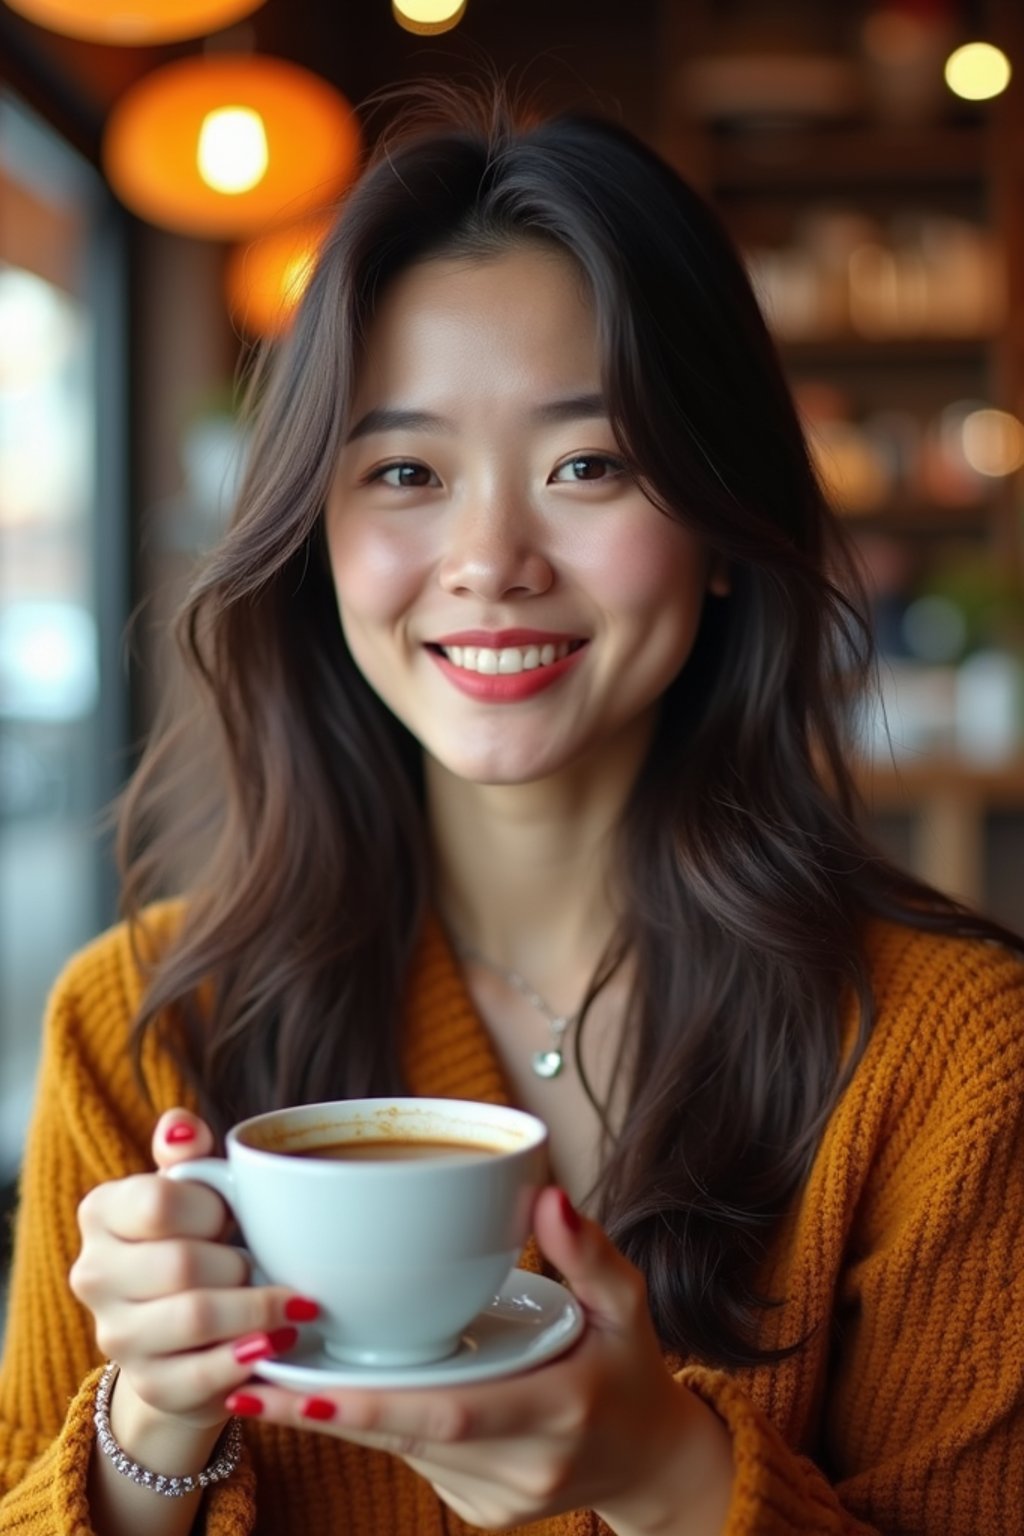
(777, 179)
(854, 159)
(948, 799)
(924, 519)
(903, 351)
(894, 786)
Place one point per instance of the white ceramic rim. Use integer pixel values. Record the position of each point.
(524, 1132)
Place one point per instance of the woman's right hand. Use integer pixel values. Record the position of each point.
(171, 1300)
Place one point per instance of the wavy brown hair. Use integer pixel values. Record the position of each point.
(746, 877)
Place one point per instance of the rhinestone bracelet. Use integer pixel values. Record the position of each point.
(170, 1487)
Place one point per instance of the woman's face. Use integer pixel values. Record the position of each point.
(504, 585)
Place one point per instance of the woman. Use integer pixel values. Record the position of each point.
(529, 666)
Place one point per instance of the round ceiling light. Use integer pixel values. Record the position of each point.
(221, 146)
(134, 22)
(428, 17)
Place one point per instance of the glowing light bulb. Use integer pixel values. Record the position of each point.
(428, 16)
(977, 71)
(993, 442)
(232, 154)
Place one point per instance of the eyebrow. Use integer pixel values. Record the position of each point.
(550, 412)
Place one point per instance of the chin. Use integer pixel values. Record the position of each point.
(496, 769)
(496, 776)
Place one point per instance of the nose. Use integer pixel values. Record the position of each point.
(494, 550)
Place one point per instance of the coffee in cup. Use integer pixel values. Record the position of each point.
(400, 1217)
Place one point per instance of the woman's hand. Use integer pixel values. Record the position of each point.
(605, 1427)
(171, 1300)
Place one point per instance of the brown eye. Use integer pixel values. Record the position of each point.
(405, 476)
(588, 467)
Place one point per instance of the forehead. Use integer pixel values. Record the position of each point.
(522, 319)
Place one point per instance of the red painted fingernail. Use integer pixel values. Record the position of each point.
(257, 1346)
(318, 1408)
(299, 1310)
(244, 1404)
(570, 1215)
(180, 1131)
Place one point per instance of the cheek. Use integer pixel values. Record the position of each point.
(654, 574)
(377, 571)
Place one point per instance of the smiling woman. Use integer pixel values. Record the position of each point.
(484, 484)
(528, 656)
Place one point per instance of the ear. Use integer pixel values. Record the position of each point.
(719, 582)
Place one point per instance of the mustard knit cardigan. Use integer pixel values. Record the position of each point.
(903, 1258)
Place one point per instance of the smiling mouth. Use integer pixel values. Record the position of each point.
(507, 661)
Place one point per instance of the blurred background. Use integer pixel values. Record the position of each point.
(163, 164)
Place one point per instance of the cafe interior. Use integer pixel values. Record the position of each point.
(167, 170)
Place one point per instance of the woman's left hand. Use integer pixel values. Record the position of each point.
(604, 1427)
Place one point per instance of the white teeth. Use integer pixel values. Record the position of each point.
(507, 661)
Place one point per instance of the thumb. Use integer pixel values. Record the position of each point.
(180, 1136)
(608, 1287)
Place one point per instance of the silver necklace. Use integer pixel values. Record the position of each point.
(549, 1062)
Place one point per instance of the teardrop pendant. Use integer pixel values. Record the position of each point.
(551, 1062)
(547, 1063)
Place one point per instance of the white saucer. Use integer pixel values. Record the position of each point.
(531, 1319)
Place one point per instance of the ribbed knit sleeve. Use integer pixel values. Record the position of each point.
(91, 1124)
(921, 1424)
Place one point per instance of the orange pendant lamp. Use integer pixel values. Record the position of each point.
(134, 22)
(265, 279)
(223, 145)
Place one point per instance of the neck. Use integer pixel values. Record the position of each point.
(525, 874)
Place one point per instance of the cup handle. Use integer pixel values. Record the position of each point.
(214, 1171)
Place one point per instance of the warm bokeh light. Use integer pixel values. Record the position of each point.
(131, 22)
(892, 36)
(296, 275)
(265, 279)
(150, 146)
(977, 71)
(993, 442)
(232, 153)
(428, 17)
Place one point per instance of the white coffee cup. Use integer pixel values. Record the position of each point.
(400, 1250)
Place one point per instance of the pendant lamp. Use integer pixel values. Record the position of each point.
(223, 145)
(428, 17)
(134, 22)
(265, 279)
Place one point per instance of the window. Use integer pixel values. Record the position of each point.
(62, 564)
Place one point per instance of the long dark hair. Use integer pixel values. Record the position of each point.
(747, 880)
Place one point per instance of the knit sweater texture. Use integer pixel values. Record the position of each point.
(902, 1263)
